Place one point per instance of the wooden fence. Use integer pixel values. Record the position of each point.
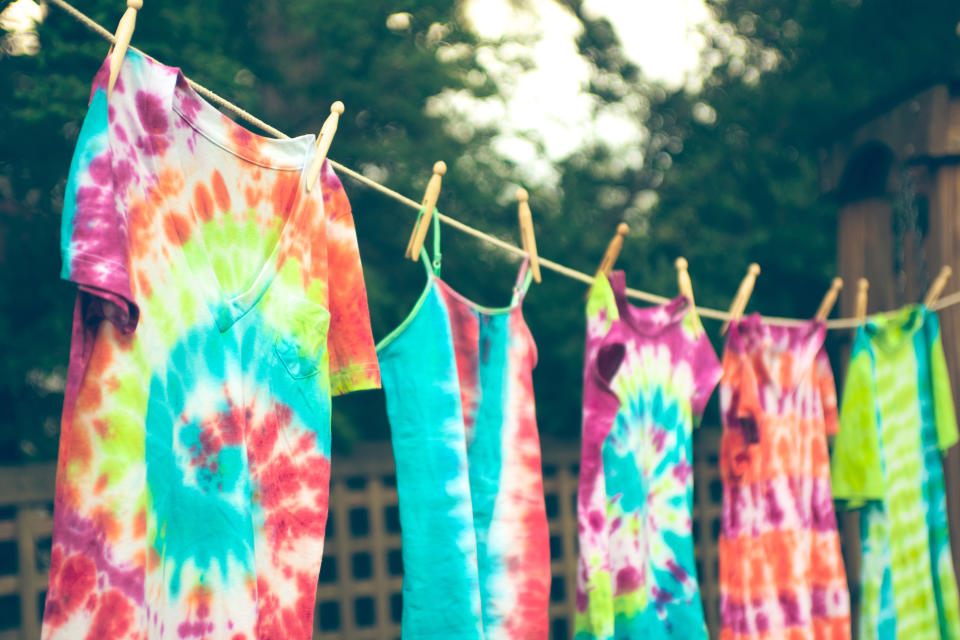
(358, 597)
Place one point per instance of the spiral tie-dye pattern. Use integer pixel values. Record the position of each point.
(219, 307)
(647, 377)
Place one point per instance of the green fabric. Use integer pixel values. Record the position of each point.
(855, 469)
(896, 417)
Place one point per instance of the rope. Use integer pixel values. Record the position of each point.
(715, 314)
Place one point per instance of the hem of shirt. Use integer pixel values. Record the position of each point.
(949, 442)
(127, 311)
(68, 256)
(358, 377)
(853, 502)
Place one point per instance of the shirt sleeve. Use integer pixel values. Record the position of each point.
(828, 392)
(740, 406)
(93, 233)
(706, 374)
(352, 355)
(943, 409)
(856, 472)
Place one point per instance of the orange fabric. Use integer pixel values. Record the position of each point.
(781, 571)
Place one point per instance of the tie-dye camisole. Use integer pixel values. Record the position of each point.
(896, 419)
(647, 378)
(220, 305)
(781, 572)
(458, 384)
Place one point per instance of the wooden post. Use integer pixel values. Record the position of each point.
(566, 497)
(862, 169)
(378, 553)
(27, 556)
(943, 248)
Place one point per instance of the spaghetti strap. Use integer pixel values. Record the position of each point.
(524, 278)
(436, 242)
(432, 266)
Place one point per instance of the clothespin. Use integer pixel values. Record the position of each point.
(527, 239)
(430, 197)
(862, 285)
(612, 253)
(683, 280)
(830, 299)
(324, 139)
(613, 249)
(743, 295)
(938, 284)
(122, 43)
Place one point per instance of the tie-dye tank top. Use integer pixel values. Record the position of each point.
(781, 571)
(896, 418)
(458, 384)
(647, 378)
(220, 305)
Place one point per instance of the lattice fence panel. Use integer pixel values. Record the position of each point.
(359, 591)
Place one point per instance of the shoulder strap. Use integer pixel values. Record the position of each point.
(432, 267)
(524, 278)
(602, 298)
(436, 242)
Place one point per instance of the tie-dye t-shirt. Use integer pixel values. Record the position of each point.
(220, 305)
(459, 390)
(896, 418)
(647, 378)
(781, 571)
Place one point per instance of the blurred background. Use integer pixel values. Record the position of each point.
(724, 131)
(699, 123)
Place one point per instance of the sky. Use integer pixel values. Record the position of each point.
(17, 21)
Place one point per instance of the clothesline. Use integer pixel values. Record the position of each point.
(715, 314)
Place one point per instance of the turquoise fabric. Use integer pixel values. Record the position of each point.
(475, 546)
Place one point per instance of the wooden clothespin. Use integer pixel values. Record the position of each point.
(122, 43)
(938, 284)
(612, 253)
(430, 197)
(684, 283)
(862, 286)
(324, 139)
(527, 239)
(743, 295)
(830, 299)
(613, 249)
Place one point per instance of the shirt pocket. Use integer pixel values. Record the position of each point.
(301, 343)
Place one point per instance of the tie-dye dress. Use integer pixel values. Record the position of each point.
(458, 384)
(647, 378)
(896, 419)
(781, 571)
(220, 304)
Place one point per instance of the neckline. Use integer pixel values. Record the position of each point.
(279, 154)
(651, 321)
(889, 332)
(479, 308)
(182, 102)
(751, 330)
(750, 336)
(434, 282)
